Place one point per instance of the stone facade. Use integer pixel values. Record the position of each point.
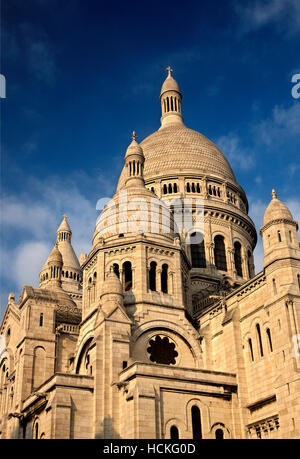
(163, 330)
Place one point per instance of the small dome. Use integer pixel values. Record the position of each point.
(276, 210)
(134, 148)
(64, 226)
(170, 84)
(55, 256)
(112, 285)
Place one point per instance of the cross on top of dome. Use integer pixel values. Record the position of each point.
(169, 70)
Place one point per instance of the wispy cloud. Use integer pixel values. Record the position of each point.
(280, 126)
(238, 155)
(283, 14)
(31, 46)
(30, 220)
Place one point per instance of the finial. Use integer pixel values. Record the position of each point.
(274, 194)
(134, 136)
(65, 217)
(169, 70)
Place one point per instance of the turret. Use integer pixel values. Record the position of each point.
(70, 271)
(53, 269)
(134, 162)
(170, 97)
(279, 232)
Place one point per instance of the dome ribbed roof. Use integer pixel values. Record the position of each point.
(276, 210)
(178, 149)
(55, 255)
(170, 84)
(64, 226)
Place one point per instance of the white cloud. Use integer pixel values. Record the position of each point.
(283, 123)
(284, 14)
(28, 261)
(30, 220)
(32, 44)
(238, 155)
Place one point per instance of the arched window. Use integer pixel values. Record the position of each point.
(268, 331)
(175, 187)
(220, 253)
(196, 423)
(127, 271)
(165, 189)
(198, 251)
(251, 349)
(174, 434)
(170, 188)
(39, 367)
(238, 258)
(41, 319)
(219, 434)
(164, 278)
(193, 188)
(152, 276)
(259, 340)
(116, 270)
(279, 236)
(188, 188)
(198, 188)
(36, 431)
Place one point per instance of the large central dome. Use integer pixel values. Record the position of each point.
(176, 148)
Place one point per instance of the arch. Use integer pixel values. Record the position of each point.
(219, 434)
(174, 432)
(152, 276)
(127, 276)
(165, 189)
(268, 332)
(260, 345)
(81, 365)
(36, 430)
(188, 188)
(116, 269)
(170, 188)
(238, 258)
(39, 367)
(198, 251)
(164, 278)
(196, 423)
(220, 253)
(219, 431)
(163, 325)
(251, 349)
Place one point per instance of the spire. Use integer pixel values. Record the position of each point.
(64, 232)
(170, 97)
(134, 162)
(51, 272)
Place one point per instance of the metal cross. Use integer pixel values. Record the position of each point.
(169, 70)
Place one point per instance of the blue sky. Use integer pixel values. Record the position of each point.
(83, 74)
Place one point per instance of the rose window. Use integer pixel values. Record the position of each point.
(162, 350)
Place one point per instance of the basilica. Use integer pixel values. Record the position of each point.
(163, 330)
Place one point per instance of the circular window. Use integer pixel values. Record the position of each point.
(162, 350)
